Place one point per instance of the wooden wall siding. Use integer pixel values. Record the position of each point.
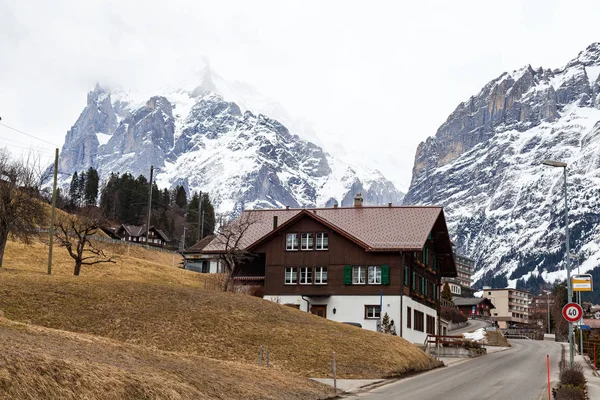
(275, 283)
(341, 252)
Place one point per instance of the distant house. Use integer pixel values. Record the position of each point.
(353, 264)
(137, 234)
(195, 260)
(474, 306)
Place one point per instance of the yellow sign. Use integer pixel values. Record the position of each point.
(582, 283)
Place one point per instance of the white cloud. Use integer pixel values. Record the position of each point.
(378, 77)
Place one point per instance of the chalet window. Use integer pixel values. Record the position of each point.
(419, 321)
(322, 241)
(430, 325)
(372, 312)
(358, 275)
(305, 275)
(291, 242)
(406, 276)
(291, 275)
(375, 275)
(425, 255)
(408, 317)
(307, 241)
(321, 275)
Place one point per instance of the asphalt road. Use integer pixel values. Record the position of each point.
(516, 374)
(472, 325)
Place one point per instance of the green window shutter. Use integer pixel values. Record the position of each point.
(434, 262)
(423, 285)
(414, 280)
(348, 275)
(405, 276)
(385, 274)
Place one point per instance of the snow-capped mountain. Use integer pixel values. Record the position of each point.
(484, 165)
(197, 136)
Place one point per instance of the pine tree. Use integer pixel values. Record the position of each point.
(180, 196)
(81, 189)
(387, 326)
(446, 293)
(91, 184)
(73, 190)
(209, 215)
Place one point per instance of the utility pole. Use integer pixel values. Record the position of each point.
(183, 242)
(53, 213)
(199, 216)
(149, 208)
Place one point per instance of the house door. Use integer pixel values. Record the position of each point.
(321, 311)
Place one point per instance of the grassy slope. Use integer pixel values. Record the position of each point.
(145, 301)
(38, 363)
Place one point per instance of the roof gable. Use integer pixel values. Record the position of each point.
(373, 228)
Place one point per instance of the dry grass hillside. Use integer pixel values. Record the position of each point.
(41, 363)
(146, 302)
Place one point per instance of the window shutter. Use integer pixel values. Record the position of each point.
(348, 275)
(385, 274)
(434, 262)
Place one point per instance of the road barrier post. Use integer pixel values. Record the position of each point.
(334, 374)
(548, 365)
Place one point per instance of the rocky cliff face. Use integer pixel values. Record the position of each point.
(505, 209)
(195, 138)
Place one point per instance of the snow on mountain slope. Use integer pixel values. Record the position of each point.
(195, 137)
(484, 165)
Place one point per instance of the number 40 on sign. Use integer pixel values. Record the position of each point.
(572, 312)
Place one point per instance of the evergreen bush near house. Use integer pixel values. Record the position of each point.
(387, 326)
(446, 292)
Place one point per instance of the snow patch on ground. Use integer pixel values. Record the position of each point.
(476, 336)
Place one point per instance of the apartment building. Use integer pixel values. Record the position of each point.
(512, 306)
(460, 285)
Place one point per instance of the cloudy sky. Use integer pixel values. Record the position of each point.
(377, 77)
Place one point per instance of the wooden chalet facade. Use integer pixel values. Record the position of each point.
(353, 264)
(137, 234)
(195, 260)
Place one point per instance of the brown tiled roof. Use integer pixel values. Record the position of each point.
(471, 301)
(375, 228)
(198, 247)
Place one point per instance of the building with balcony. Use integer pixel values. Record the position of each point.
(460, 285)
(512, 306)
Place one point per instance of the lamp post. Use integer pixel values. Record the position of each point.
(548, 304)
(563, 165)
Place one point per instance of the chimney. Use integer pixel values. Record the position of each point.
(389, 204)
(274, 222)
(335, 205)
(287, 207)
(358, 200)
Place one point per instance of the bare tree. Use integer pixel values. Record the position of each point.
(73, 232)
(22, 212)
(231, 239)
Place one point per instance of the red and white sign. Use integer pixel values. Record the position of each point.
(572, 312)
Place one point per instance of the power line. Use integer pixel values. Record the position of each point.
(27, 134)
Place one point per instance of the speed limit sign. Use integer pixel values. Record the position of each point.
(572, 312)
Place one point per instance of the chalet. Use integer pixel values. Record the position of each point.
(352, 264)
(133, 233)
(474, 306)
(195, 260)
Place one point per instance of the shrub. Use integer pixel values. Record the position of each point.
(568, 392)
(452, 314)
(573, 376)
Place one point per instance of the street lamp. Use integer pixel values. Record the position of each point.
(563, 165)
